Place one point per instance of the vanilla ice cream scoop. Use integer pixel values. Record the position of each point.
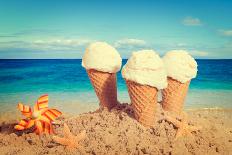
(145, 67)
(102, 57)
(180, 65)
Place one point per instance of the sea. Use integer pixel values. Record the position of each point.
(69, 89)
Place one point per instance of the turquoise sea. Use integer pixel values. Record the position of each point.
(69, 88)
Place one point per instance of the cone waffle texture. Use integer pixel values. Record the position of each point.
(105, 87)
(144, 102)
(174, 95)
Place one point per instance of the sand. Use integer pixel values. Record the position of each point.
(116, 132)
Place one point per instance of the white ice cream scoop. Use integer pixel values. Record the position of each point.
(102, 57)
(180, 65)
(146, 67)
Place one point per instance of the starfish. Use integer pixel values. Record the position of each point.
(69, 140)
(183, 128)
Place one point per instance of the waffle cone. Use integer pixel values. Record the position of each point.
(174, 95)
(105, 87)
(144, 102)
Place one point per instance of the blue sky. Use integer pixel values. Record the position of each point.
(63, 28)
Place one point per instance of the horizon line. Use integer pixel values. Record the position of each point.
(81, 58)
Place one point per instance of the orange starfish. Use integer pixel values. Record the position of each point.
(69, 140)
(41, 117)
(184, 129)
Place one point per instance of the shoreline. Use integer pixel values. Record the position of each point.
(80, 108)
(194, 99)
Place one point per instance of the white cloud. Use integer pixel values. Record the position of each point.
(61, 44)
(227, 33)
(48, 45)
(69, 45)
(130, 43)
(68, 42)
(190, 21)
(181, 44)
(199, 53)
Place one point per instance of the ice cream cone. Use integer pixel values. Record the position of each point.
(102, 62)
(144, 102)
(104, 84)
(174, 95)
(181, 68)
(145, 74)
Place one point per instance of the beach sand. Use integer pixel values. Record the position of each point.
(116, 132)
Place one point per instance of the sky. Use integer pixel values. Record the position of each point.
(64, 28)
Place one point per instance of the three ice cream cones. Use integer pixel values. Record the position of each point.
(145, 74)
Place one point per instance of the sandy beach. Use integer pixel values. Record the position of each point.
(117, 132)
(148, 77)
